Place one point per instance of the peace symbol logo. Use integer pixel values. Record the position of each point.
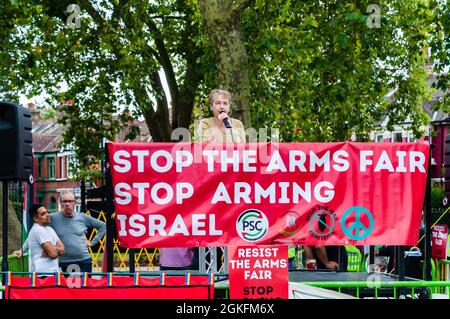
(356, 229)
(320, 225)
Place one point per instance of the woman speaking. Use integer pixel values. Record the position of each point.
(221, 128)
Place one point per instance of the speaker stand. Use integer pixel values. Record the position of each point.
(5, 231)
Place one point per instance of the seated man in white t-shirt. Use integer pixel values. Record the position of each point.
(45, 246)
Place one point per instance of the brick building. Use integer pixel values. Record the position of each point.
(52, 162)
(51, 169)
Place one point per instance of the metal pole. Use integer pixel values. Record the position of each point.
(427, 246)
(401, 262)
(83, 196)
(131, 260)
(108, 197)
(31, 197)
(5, 230)
(371, 256)
(400, 266)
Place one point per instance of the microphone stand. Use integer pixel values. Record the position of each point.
(232, 137)
(231, 127)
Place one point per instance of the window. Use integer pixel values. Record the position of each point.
(379, 138)
(51, 167)
(40, 198)
(52, 206)
(40, 167)
(411, 137)
(70, 166)
(397, 136)
(62, 167)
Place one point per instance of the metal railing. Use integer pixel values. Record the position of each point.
(398, 287)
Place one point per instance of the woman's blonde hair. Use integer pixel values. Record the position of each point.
(218, 92)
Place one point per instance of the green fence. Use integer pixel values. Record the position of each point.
(409, 288)
(375, 290)
(18, 265)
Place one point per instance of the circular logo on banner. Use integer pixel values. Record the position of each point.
(352, 225)
(322, 223)
(290, 226)
(252, 225)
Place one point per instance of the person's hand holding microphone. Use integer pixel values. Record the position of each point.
(224, 117)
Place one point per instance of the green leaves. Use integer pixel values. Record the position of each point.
(108, 65)
(317, 71)
(320, 69)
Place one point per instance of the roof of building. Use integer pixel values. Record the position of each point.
(47, 134)
(428, 106)
(144, 135)
(44, 143)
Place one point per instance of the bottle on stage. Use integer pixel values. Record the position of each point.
(311, 264)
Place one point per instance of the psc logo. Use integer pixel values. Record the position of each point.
(252, 225)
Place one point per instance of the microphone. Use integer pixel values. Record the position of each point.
(226, 121)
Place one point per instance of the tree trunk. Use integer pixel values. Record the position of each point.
(157, 122)
(187, 96)
(14, 227)
(224, 29)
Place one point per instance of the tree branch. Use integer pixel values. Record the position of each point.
(118, 12)
(165, 63)
(149, 51)
(157, 121)
(164, 56)
(95, 15)
(239, 6)
(129, 23)
(166, 17)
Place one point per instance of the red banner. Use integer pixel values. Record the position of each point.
(53, 287)
(439, 236)
(210, 194)
(258, 272)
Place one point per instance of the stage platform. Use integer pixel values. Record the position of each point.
(364, 292)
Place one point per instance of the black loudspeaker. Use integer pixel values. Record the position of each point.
(16, 160)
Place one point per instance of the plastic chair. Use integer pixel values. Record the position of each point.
(434, 274)
(354, 258)
(448, 247)
(365, 263)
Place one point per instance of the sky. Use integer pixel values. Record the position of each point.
(40, 99)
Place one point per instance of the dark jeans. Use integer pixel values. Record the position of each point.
(195, 263)
(85, 266)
